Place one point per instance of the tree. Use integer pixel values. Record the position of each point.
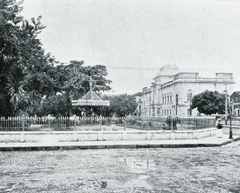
(10, 91)
(73, 81)
(209, 102)
(24, 65)
(123, 104)
(28, 73)
(54, 105)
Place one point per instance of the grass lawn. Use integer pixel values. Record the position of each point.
(215, 169)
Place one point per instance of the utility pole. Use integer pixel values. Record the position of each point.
(176, 104)
(230, 130)
(226, 110)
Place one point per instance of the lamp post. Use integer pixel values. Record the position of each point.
(226, 111)
(176, 104)
(230, 116)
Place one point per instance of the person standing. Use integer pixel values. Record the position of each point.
(219, 129)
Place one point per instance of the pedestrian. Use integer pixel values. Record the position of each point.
(219, 129)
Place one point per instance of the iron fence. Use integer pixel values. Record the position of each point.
(104, 123)
(234, 122)
(170, 123)
(57, 124)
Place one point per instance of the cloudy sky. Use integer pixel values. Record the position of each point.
(134, 38)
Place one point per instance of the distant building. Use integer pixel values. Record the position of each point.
(235, 99)
(138, 97)
(172, 91)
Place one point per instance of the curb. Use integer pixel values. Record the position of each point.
(231, 141)
(52, 147)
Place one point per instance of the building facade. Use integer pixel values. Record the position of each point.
(235, 102)
(172, 91)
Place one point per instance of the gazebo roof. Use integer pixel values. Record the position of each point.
(90, 95)
(90, 99)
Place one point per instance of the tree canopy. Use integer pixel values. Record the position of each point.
(123, 104)
(209, 102)
(73, 81)
(24, 64)
(29, 75)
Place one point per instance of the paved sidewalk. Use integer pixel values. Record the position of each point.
(205, 142)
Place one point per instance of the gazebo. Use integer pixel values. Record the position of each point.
(90, 99)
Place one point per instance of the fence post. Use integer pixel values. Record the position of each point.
(195, 124)
(148, 122)
(125, 123)
(100, 120)
(48, 120)
(23, 123)
(75, 126)
(189, 123)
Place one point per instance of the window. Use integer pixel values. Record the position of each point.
(189, 95)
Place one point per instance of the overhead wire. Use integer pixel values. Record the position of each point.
(147, 69)
(125, 67)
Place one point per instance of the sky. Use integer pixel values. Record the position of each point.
(135, 38)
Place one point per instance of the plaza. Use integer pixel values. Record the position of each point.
(201, 169)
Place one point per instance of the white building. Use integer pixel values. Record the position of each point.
(172, 91)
